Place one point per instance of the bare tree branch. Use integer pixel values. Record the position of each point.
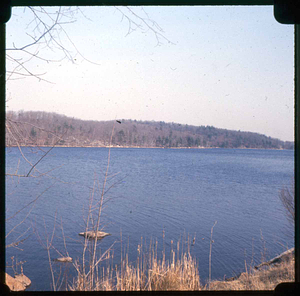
(144, 24)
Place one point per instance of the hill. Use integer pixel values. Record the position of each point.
(47, 129)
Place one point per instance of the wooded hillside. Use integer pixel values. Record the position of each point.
(42, 128)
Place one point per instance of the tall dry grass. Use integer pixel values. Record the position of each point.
(147, 273)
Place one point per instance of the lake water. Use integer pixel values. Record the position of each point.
(178, 192)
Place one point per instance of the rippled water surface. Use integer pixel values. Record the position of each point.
(178, 192)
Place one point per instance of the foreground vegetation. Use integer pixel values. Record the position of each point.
(180, 273)
(148, 273)
(42, 128)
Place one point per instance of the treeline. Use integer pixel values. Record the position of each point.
(48, 129)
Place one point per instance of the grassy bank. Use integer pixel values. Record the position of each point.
(266, 279)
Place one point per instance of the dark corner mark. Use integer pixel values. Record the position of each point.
(287, 11)
(287, 289)
(5, 11)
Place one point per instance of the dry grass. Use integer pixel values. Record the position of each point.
(265, 279)
(148, 273)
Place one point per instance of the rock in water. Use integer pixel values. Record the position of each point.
(23, 279)
(19, 283)
(92, 234)
(63, 259)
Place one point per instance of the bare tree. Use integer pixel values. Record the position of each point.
(48, 30)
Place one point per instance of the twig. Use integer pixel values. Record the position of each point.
(210, 248)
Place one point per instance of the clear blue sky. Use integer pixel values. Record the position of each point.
(229, 67)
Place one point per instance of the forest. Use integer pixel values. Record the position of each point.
(37, 128)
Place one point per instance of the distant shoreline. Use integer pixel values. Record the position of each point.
(141, 147)
(47, 129)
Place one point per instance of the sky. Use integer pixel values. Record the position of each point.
(227, 67)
